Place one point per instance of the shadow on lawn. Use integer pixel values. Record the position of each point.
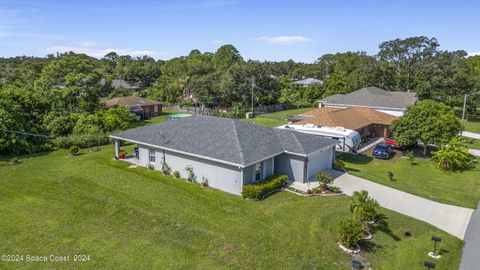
(356, 158)
(383, 226)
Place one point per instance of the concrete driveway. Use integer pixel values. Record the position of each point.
(452, 219)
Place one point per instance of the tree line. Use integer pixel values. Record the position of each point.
(60, 96)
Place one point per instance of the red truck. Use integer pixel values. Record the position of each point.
(393, 143)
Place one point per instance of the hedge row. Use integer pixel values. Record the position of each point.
(258, 190)
(82, 141)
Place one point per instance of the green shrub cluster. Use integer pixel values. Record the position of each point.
(258, 190)
(83, 141)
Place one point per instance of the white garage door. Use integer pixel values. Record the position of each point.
(319, 162)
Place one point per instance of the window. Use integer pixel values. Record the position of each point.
(151, 155)
(258, 171)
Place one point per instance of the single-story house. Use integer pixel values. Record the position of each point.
(228, 153)
(148, 107)
(391, 102)
(307, 82)
(368, 122)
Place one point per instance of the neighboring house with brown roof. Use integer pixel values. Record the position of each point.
(148, 107)
(390, 102)
(366, 121)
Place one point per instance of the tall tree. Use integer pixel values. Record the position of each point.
(428, 121)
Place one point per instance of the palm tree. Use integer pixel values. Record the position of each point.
(453, 156)
(358, 204)
(363, 207)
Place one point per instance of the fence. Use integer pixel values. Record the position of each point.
(215, 111)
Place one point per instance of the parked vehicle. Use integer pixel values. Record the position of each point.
(393, 143)
(383, 151)
(348, 140)
(137, 110)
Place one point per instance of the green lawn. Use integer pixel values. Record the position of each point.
(276, 118)
(152, 120)
(473, 123)
(422, 179)
(138, 219)
(473, 144)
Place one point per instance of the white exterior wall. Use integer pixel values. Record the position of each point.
(393, 112)
(291, 165)
(222, 176)
(319, 162)
(249, 172)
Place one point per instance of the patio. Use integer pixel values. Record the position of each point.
(313, 183)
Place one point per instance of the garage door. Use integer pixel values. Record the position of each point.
(319, 162)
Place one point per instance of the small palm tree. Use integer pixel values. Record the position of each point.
(363, 207)
(453, 155)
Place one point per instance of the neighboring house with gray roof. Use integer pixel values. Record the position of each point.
(391, 102)
(119, 83)
(307, 82)
(228, 153)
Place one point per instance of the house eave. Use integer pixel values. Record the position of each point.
(179, 151)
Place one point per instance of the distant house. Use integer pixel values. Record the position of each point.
(390, 102)
(119, 83)
(141, 106)
(368, 122)
(307, 82)
(228, 153)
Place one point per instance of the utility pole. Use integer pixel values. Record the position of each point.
(253, 87)
(464, 105)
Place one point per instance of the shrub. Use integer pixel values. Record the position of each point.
(73, 150)
(165, 168)
(339, 165)
(83, 141)
(390, 175)
(349, 232)
(336, 189)
(410, 157)
(191, 175)
(453, 155)
(176, 174)
(316, 190)
(324, 179)
(13, 161)
(258, 190)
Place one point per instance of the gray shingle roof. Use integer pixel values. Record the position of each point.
(374, 97)
(302, 143)
(308, 81)
(223, 139)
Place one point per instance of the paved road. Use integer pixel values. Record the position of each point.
(452, 219)
(474, 152)
(471, 250)
(470, 135)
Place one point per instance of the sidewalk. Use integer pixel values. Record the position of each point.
(470, 135)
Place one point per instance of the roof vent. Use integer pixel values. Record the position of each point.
(340, 129)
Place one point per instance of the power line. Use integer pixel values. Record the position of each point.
(25, 133)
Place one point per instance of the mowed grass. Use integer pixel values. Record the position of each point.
(133, 218)
(276, 118)
(473, 123)
(153, 120)
(422, 179)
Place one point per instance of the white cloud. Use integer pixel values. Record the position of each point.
(473, 53)
(94, 49)
(285, 40)
(218, 42)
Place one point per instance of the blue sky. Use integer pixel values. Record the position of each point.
(264, 30)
